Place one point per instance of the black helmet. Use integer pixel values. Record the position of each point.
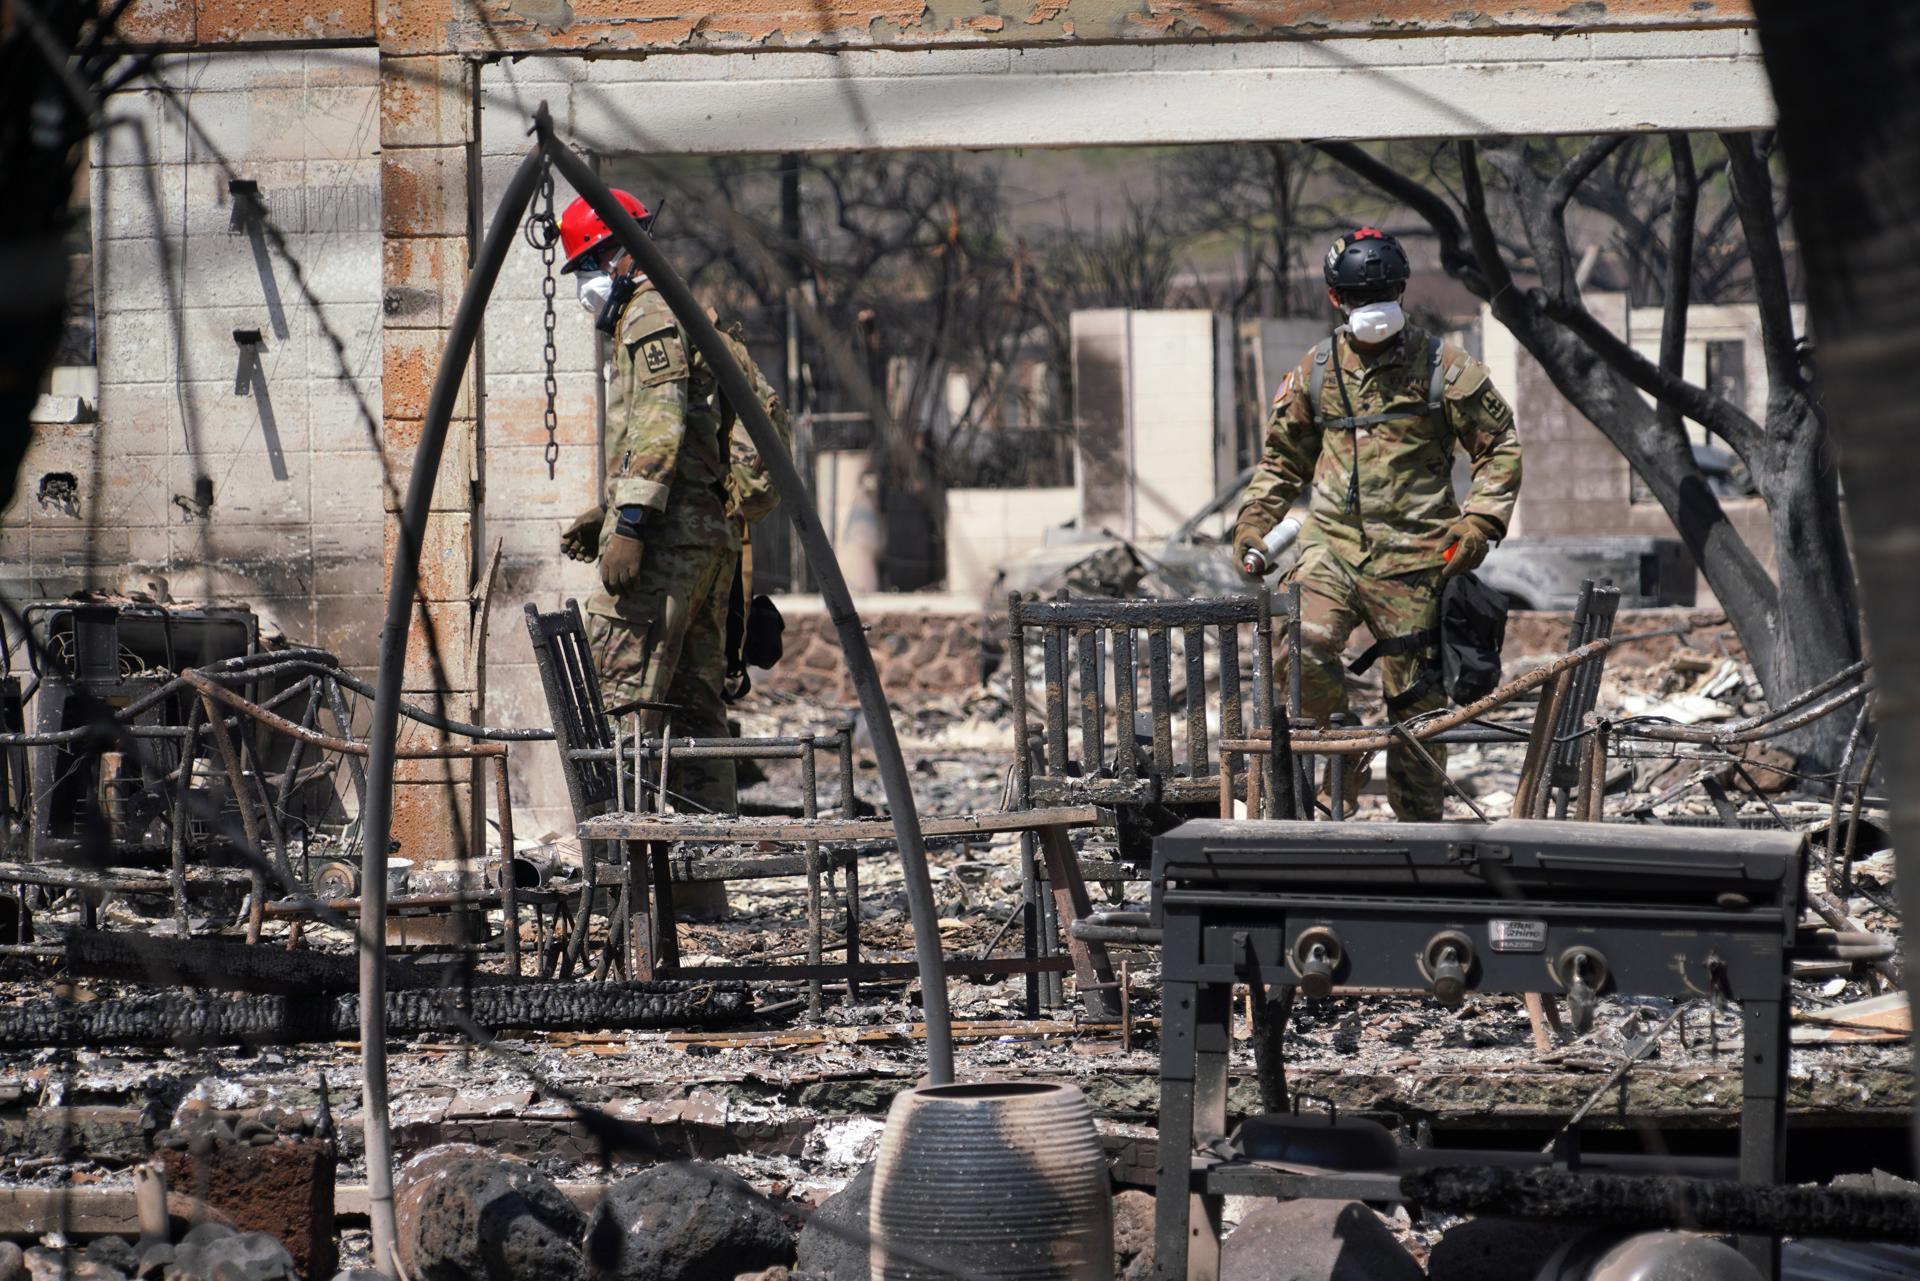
(1367, 265)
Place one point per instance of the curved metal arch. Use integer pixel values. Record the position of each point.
(403, 582)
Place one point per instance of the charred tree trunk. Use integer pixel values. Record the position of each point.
(1818, 630)
(186, 1022)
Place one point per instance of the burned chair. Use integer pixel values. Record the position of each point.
(608, 772)
(1091, 746)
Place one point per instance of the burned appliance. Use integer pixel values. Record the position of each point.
(1576, 910)
(96, 658)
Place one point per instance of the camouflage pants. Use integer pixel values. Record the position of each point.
(1334, 600)
(665, 641)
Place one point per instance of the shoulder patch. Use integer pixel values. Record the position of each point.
(1286, 389)
(650, 334)
(1465, 376)
(1496, 407)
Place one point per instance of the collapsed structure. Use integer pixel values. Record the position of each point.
(184, 777)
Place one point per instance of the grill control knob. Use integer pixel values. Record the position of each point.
(1315, 956)
(1447, 961)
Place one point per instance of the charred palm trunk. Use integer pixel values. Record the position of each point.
(1850, 129)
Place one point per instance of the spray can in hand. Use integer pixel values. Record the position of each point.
(1278, 539)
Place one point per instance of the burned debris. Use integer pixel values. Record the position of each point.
(1081, 1000)
(341, 937)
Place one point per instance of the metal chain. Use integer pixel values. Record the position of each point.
(544, 234)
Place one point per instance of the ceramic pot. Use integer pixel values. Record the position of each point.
(1003, 1179)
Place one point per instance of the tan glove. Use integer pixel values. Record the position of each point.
(1246, 537)
(1468, 540)
(582, 539)
(620, 562)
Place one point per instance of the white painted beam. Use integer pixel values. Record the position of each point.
(1091, 95)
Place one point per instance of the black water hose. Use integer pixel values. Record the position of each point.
(798, 506)
(376, 814)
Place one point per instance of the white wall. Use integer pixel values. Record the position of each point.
(1152, 405)
(986, 527)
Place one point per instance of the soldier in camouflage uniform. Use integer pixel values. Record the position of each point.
(1370, 420)
(682, 484)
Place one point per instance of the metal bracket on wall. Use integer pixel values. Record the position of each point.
(250, 378)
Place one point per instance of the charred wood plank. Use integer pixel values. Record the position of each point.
(1646, 1201)
(229, 965)
(623, 826)
(192, 1020)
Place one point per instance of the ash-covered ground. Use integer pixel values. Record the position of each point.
(795, 1103)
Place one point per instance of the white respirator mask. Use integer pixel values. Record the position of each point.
(595, 287)
(1377, 321)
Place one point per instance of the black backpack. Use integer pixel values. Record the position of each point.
(1473, 626)
(1468, 637)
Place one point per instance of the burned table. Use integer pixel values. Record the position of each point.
(1572, 909)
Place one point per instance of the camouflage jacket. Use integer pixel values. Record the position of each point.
(1383, 492)
(668, 429)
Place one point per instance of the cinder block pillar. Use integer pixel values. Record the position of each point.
(426, 136)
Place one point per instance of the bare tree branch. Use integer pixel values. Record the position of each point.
(1717, 415)
(1753, 195)
(1673, 324)
(1591, 157)
(1499, 283)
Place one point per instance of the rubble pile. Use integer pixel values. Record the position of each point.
(509, 1177)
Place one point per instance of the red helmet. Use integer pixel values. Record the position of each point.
(582, 230)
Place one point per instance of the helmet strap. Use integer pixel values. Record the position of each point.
(617, 299)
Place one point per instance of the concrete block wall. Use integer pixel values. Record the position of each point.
(293, 457)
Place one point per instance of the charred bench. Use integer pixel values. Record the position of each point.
(1572, 909)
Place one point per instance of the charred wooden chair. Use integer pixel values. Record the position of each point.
(1090, 746)
(1093, 661)
(607, 772)
(1573, 771)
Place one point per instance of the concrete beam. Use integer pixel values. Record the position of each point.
(1090, 95)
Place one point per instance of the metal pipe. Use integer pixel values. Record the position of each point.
(1845, 882)
(1771, 725)
(1839, 790)
(376, 816)
(798, 506)
(345, 746)
(1373, 740)
(230, 759)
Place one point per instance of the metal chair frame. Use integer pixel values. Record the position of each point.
(607, 771)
